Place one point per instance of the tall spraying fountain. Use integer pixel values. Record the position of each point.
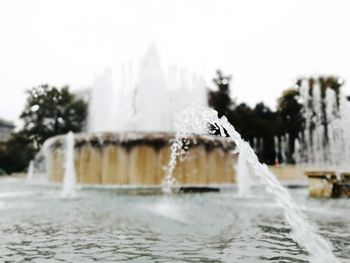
(131, 126)
(326, 137)
(143, 96)
(243, 175)
(30, 172)
(69, 180)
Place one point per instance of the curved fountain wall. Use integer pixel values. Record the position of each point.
(140, 158)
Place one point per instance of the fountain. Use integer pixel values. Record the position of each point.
(30, 170)
(318, 248)
(131, 126)
(321, 151)
(136, 142)
(140, 159)
(243, 176)
(69, 180)
(323, 147)
(146, 98)
(326, 134)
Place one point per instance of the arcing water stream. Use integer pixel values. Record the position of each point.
(198, 119)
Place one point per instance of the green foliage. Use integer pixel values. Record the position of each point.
(262, 122)
(50, 111)
(16, 153)
(258, 122)
(2, 172)
(290, 111)
(220, 99)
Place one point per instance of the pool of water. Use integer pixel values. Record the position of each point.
(37, 225)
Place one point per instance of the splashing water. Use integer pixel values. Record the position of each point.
(69, 180)
(30, 170)
(243, 178)
(169, 180)
(325, 140)
(198, 119)
(177, 150)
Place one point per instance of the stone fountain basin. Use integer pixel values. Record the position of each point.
(326, 183)
(141, 158)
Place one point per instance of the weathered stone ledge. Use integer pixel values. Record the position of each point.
(142, 158)
(154, 140)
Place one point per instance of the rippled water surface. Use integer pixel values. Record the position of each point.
(107, 226)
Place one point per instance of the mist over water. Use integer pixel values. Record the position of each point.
(143, 96)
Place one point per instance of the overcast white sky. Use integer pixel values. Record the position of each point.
(264, 44)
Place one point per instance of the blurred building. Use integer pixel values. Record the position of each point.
(6, 128)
